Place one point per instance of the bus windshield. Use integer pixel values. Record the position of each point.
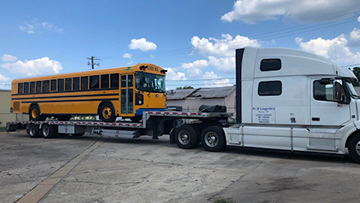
(148, 82)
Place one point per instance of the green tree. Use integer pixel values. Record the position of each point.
(185, 87)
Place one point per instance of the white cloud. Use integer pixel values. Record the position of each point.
(358, 19)
(127, 55)
(174, 74)
(194, 69)
(220, 53)
(43, 66)
(252, 11)
(215, 80)
(225, 64)
(221, 47)
(3, 78)
(336, 49)
(142, 44)
(37, 26)
(7, 57)
(354, 39)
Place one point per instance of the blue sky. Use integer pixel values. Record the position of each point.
(195, 40)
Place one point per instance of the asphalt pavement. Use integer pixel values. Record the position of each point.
(92, 168)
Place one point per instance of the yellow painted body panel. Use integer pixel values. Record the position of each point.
(86, 102)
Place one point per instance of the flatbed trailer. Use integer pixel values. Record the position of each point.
(154, 123)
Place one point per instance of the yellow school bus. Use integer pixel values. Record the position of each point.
(118, 92)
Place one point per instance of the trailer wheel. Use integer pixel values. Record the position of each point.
(213, 139)
(34, 130)
(48, 131)
(354, 148)
(107, 113)
(186, 137)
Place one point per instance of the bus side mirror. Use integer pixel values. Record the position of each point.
(338, 91)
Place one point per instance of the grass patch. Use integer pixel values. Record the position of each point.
(2, 129)
(223, 201)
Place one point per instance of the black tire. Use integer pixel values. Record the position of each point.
(354, 148)
(213, 139)
(48, 131)
(107, 113)
(34, 131)
(186, 137)
(34, 113)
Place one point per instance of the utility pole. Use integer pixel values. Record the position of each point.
(92, 58)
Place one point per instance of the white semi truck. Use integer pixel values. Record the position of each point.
(285, 99)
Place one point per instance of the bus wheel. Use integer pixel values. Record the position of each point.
(34, 113)
(186, 137)
(354, 148)
(107, 113)
(213, 139)
(33, 130)
(48, 131)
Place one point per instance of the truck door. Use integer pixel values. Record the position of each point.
(324, 110)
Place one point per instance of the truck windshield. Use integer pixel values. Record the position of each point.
(148, 82)
(352, 90)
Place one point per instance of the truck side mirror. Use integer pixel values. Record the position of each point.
(338, 91)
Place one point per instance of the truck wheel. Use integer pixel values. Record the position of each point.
(213, 139)
(107, 113)
(186, 137)
(34, 131)
(48, 131)
(354, 148)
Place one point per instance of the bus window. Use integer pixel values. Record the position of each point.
(104, 81)
(150, 82)
(61, 85)
(38, 86)
(20, 88)
(94, 82)
(53, 85)
(114, 80)
(67, 84)
(84, 83)
(32, 87)
(26, 87)
(46, 86)
(123, 80)
(76, 83)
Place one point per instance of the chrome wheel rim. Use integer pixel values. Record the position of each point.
(32, 132)
(211, 139)
(357, 148)
(184, 137)
(46, 131)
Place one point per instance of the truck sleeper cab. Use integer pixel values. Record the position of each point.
(293, 100)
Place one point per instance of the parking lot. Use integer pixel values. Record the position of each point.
(101, 169)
